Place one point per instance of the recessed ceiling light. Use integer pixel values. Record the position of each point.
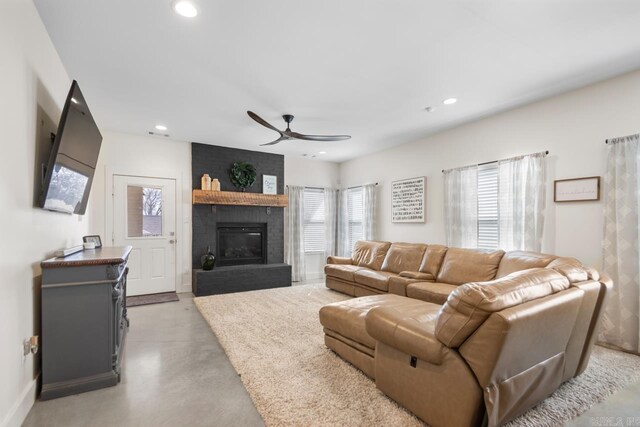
(161, 127)
(449, 101)
(322, 152)
(75, 101)
(185, 8)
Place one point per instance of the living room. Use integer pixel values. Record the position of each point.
(491, 147)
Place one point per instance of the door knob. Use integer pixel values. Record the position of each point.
(172, 241)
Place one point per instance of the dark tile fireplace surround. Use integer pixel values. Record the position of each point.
(247, 259)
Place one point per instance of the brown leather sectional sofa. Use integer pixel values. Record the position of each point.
(463, 337)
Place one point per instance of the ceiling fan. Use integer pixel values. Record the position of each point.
(288, 134)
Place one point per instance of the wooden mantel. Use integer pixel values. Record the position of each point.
(205, 197)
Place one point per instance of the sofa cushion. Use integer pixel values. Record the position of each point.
(574, 273)
(408, 327)
(470, 305)
(403, 257)
(342, 271)
(433, 292)
(469, 265)
(373, 279)
(522, 260)
(432, 260)
(574, 270)
(347, 317)
(369, 254)
(564, 260)
(418, 276)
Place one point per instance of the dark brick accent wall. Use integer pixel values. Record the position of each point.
(217, 161)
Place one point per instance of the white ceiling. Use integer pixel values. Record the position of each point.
(364, 68)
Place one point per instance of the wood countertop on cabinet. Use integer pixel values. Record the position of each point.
(102, 256)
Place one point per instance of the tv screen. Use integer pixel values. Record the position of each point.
(73, 159)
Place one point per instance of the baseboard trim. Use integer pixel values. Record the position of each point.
(78, 385)
(20, 409)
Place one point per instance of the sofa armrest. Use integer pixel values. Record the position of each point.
(605, 279)
(338, 260)
(418, 276)
(410, 335)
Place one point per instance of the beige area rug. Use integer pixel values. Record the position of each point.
(274, 340)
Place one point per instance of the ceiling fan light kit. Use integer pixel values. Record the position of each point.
(288, 134)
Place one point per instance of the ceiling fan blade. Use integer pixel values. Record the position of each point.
(262, 121)
(282, 138)
(297, 135)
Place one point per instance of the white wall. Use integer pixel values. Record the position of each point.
(127, 154)
(33, 88)
(572, 126)
(311, 173)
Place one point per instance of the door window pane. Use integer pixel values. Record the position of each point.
(144, 211)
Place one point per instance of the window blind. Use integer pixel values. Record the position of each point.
(355, 212)
(314, 233)
(488, 217)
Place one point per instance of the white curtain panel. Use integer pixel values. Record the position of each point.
(521, 196)
(343, 224)
(461, 207)
(621, 324)
(369, 211)
(330, 220)
(294, 233)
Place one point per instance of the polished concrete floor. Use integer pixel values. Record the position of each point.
(622, 409)
(177, 374)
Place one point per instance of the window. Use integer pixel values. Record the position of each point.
(314, 229)
(497, 204)
(355, 214)
(488, 218)
(144, 211)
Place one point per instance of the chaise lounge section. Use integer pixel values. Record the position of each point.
(463, 336)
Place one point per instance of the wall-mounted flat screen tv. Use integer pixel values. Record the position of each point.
(74, 155)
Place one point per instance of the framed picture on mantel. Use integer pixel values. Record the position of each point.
(269, 184)
(577, 189)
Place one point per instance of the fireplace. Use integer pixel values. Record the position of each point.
(241, 243)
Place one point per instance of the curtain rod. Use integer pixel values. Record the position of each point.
(606, 141)
(356, 186)
(306, 186)
(323, 188)
(494, 161)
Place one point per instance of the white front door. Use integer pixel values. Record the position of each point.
(144, 218)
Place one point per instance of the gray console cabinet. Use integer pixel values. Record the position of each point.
(84, 321)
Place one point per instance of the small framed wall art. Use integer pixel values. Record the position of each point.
(577, 189)
(407, 200)
(93, 239)
(269, 184)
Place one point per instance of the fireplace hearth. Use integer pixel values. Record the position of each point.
(241, 244)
